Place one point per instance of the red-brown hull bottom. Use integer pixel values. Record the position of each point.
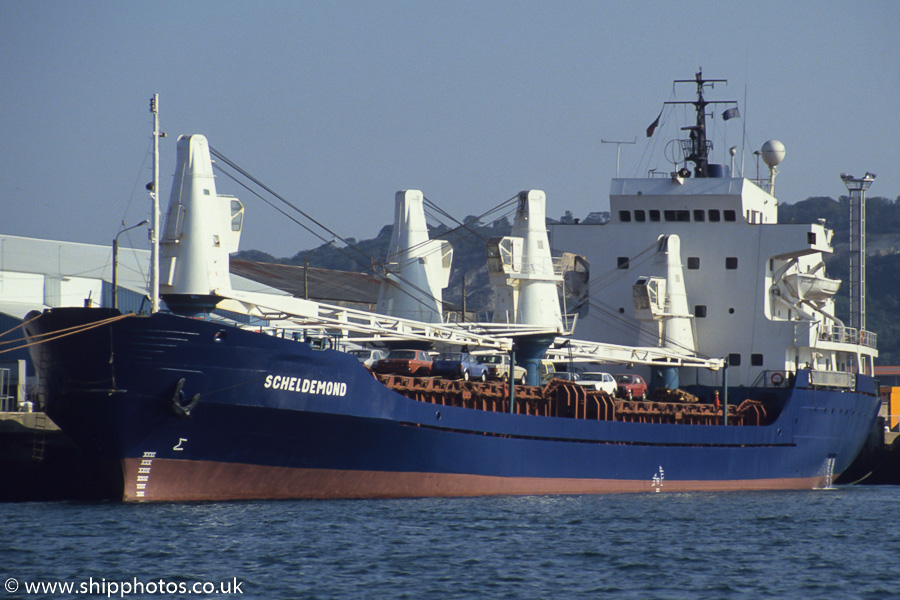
(165, 480)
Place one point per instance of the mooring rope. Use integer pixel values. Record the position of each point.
(50, 336)
(20, 325)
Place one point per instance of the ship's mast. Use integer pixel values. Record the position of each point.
(154, 195)
(696, 149)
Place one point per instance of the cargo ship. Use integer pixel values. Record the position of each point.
(756, 384)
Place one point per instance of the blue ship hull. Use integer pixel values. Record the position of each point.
(196, 410)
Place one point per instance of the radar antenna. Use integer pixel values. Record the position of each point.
(672, 153)
(696, 148)
(772, 154)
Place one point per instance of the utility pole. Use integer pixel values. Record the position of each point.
(464, 298)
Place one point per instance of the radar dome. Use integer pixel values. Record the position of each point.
(773, 152)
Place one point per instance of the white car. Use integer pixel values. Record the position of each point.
(498, 367)
(368, 356)
(602, 382)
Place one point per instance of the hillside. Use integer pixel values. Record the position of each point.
(883, 251)
(882, 261)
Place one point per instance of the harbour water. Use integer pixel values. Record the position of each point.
(838, 543)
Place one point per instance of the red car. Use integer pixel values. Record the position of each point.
(630, 386)
(404, 362)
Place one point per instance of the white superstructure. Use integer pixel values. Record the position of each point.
(756, 291)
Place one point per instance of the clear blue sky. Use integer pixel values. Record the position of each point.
(337, 105)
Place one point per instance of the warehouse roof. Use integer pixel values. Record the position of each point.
(317, 284)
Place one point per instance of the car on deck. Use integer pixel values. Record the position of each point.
(459, 365)
(568, 376)
(368, 356)
(631, 386)
(602, 382)
(498, 367)
(546, 371)
(405, 362)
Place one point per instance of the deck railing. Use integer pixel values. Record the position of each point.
(850, 335)
(832, 379)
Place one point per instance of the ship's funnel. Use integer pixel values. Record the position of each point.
(202, 228)
(417, 268)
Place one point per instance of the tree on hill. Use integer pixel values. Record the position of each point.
(882, 214)
(836, 213)
(368, 256)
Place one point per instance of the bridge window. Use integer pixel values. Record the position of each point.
(654, 215)
(625, 216)
(679, 216)
(729, 215)
(714, 215)
(640, 216)
(699, 215)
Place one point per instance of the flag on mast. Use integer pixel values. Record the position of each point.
(654, 125)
